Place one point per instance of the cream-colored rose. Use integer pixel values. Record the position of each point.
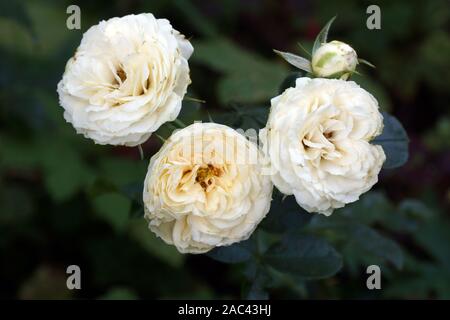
(127, 77)
(334, 59)
(204, 188)
(317, 138)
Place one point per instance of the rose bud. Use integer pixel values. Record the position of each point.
(334, 59)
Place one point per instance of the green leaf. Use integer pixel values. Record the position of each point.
(65, 172)
(435, 237)
(285, 215)
(431, 281)
(235, 253)
(304, 256)
(370, 241)
(322, 36)
(420, 280)
(394, 141)
(257, 290)
(114, 208)
(247, 77)
(415, 209)
(360, 237)
(286, 280)
(155, 246)
(246, 117)
(253, 87)
(296, 61)
(190, 112)
(222, 55)
(253, 117)
(374, 207)
(121, 172)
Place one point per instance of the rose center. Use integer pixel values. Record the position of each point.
(206, 174)
(328, 135)
(121, 74)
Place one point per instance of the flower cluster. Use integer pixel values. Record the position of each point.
(209, 185)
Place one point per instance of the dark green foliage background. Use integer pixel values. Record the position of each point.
(65, 200)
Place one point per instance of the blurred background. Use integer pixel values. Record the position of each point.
(65, 200)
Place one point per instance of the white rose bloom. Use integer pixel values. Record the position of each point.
(334, 59)
(204, 188)
(127, 77)
(317, 138)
